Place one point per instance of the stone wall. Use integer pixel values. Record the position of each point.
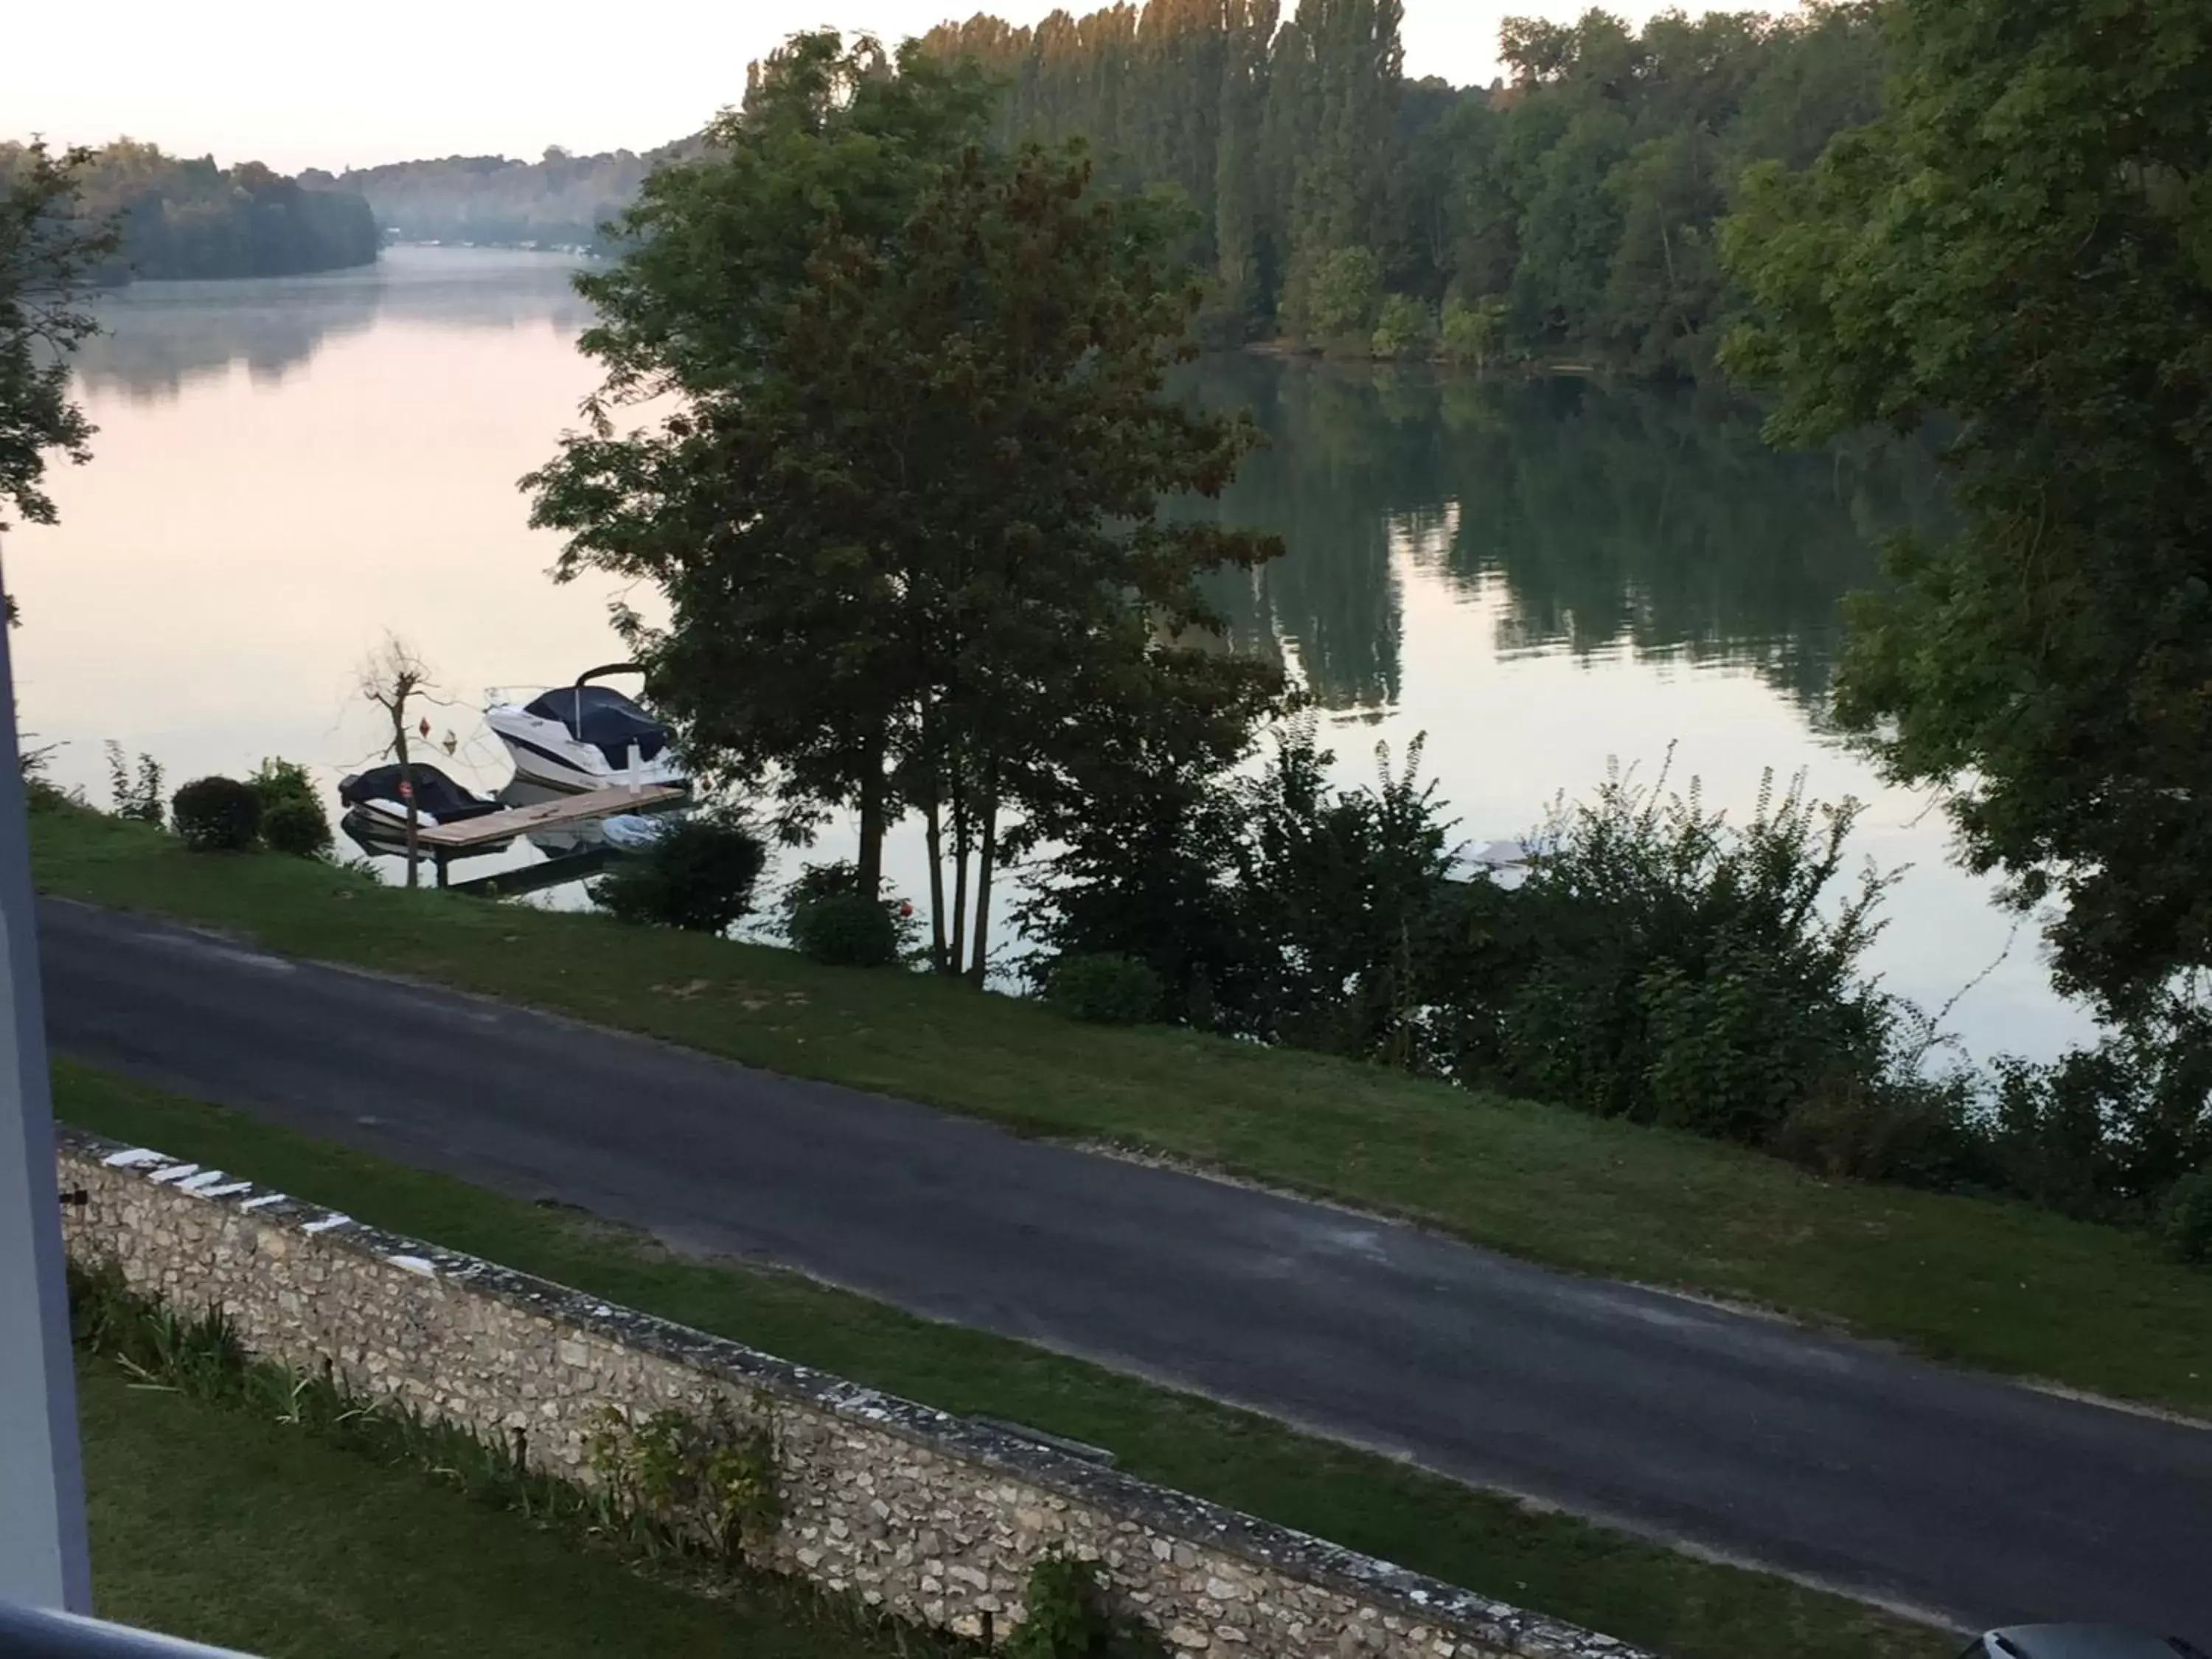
(932, 1516)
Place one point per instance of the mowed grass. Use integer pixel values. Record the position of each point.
(1996, 1285)
(218, 1526)
(1638, 1591)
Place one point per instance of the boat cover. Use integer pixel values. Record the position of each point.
(435, 792)
(604, 718)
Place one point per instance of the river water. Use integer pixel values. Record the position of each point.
(1541, 577)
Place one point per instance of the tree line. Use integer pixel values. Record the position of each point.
(560, 200)
(1567, 213)
(186, 217)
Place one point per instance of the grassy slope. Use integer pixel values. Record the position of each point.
(1628, 1589)
(1996, 1285)
(220, 1526)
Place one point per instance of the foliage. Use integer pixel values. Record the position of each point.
(1066, 1615)
(1145, 872)
(293, 818)
(1338, 890)
(904, 509)
(217, 815)
(1105, 989)
(1470, 334)
(34, 761)
(839, 878)
(700, 874)
(2018, 248)
(48, 256)
(1691, 973)
(1406, 328)
(2104, 1132)
(2184, 1219)
(188, 218)
(1337, 299)
(298, 827)
(134, 795)
(1574, 203)
(683, 1482)
(845, 930)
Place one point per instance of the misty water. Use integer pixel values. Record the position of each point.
(1541, 576)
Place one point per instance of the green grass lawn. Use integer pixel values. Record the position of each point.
(1997, 1285)
(221, 1527)
(1638, 1591)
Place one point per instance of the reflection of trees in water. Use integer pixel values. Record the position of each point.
(161, 336)
(1644, 519)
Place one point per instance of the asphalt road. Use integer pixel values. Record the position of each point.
(1956, 1495)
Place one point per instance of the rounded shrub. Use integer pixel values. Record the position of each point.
(296, 824)
(1105, 988)
(845, 930)
(2184, 1219)
(216, 815)
(699, 876)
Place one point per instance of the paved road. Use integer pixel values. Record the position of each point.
(1947, 1492)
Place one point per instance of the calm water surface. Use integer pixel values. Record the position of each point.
(1539, 577)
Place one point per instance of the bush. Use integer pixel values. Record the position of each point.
(1880, 1129)
(1407, 330)
(1105, 989)
(700, 876)
(292, 817)
(845, 930)
(1065, 1616)
(2184, 1219)
(1332, 296)
(1691, 973)
(1472, 334)
(217, 815)
(300, 827)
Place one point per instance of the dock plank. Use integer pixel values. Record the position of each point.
(544, 815)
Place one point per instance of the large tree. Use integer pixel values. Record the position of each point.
(47, 253)
(906, 507)
(2021, 246)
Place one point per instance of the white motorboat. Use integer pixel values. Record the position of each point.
(580, 736)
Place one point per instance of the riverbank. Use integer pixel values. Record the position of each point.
(1994, 1286)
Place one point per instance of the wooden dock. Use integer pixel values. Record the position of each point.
(445, 842)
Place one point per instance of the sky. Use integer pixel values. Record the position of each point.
(327, 86)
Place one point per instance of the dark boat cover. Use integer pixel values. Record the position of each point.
(435, 792)
(604, 718)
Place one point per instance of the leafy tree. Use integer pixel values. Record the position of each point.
(906, 510)
(48, 254)
(788, 652)
(1585, 189)
(190, 218)
(1405, 328)
(2022, 245)
(1344, 294)
(1469, 333)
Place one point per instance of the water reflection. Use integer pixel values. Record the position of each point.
(159, 337)
(1616, 519)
